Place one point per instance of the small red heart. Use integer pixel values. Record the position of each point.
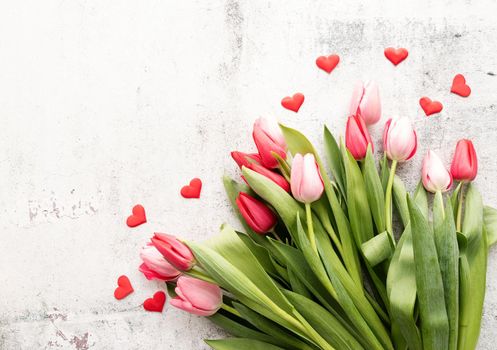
(293, 103)
(396, 55)
(156, 303)
(193, 189)
(124, 288)
(459, 86)
(430, 107)
(327, 63)
(138, 217)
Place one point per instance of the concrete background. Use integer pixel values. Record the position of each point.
(105, 104)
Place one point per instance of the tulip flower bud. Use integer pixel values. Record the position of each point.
(366, 102)
(268, 138)
(465, 163)
(197, 297)
(399, 139)
(154, 265)
(177, 253)
(434, 174)
(357, 137)
(271, 175)
(306, 182)
(258, 216)
(245, 159)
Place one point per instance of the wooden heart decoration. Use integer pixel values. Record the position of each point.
(430, 107)
(137, 217)
(193, 189)
(156, 303)
(293, 103)
(460, 87)
(124, 288)
(327, 63)
(396, 55)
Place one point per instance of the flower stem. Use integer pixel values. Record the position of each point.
(230, 309)
(310, 227)
(388, 199)
(459, 207)
(273, 231)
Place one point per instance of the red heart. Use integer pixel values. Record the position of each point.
(156, 303)
(327, 63)
(124, 288)
(293, 103)
(430, 107)
(138, 217)
(396, 55)
(459, 86)
(193, 189)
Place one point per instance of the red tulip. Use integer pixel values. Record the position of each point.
(465, 163)
(177, 253)
(271, 175)
(154, 265)
(268, 138)
(258, 216)
(357, 137)
(197, 297)
(245, 159)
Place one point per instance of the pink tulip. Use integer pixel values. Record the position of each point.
(399, 139)
(258, 216)
(154, 265)
(306, 182)
(268, 138)
(177, 253)
(197, 297)
(366, 102)
(434, 174)
(465, 163)
(271, 175)
(245, 159)
(357, 137)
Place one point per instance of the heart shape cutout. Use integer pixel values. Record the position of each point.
(193, 189)
(156, 303)
(293, 103)
(327, 63)
(124, 288)
(460, 87)
(137, 217)
(396, 55)
(430, 107)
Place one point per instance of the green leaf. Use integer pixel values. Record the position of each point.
(323, 322)
(400, 199)
(434, 322)
(490, 219)
(241, 344)
(448, 258)
(278, 335)
(374, 191)
(378, 249)
(297, 285)
(335, 160)
(421, 199)
(401, 289)
(473, 270)
(238, 329)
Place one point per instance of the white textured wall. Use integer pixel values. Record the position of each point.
(104, 104)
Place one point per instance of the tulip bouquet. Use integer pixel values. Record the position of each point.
(339, 256)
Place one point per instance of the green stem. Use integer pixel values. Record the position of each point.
(441, 200)
(310, 227)
(459, 208)
(230, 309)
(195, 273)
(273, 231)
(388, 199)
